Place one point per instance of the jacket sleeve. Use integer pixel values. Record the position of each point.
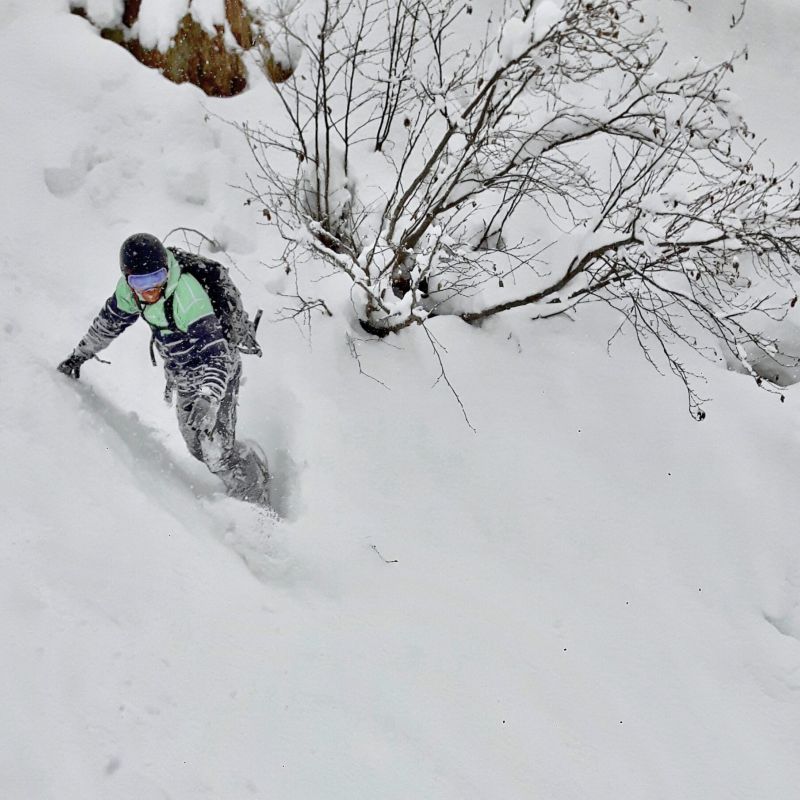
(212, 356)
(107, 325)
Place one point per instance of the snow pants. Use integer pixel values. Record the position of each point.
(239, 467)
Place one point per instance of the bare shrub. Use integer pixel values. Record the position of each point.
(558, 160)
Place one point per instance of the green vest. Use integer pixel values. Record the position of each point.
(189, 300)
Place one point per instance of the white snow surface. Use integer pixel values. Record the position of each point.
(514, 40)
(518, 34)
(546, 15)
(105, 13)
(209, 13)
(158, 21)
(581, 594)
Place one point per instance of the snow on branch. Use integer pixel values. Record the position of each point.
(554, 160)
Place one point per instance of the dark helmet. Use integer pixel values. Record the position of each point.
(142, 253)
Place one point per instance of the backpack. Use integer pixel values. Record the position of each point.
(225, 299)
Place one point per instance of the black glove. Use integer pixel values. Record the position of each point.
(247, 341)
(203, 413)
(72, 366)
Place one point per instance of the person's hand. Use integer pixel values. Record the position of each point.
(72, 366)
(203, 413)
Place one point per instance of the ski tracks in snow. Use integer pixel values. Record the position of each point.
(257, 535)
(254, 533)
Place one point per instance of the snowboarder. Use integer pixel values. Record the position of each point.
(202, 364)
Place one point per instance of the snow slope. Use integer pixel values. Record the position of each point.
(580, 594)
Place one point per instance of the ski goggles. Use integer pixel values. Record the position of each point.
(148, 281)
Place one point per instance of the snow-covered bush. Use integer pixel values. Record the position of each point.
(558, 159)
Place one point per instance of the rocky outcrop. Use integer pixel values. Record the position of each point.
(194, 54)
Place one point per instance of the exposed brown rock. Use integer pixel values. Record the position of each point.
(240, 22)
(131, 12)
(273, 68)
(197, 56)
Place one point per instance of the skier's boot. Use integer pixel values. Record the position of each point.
(254, 473)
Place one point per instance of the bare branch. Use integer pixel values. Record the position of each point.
(555, 161)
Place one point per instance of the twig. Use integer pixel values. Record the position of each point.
(443, 375)
(385, 560)
(351, 344)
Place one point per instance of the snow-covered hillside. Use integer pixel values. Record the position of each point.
(575, 592)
